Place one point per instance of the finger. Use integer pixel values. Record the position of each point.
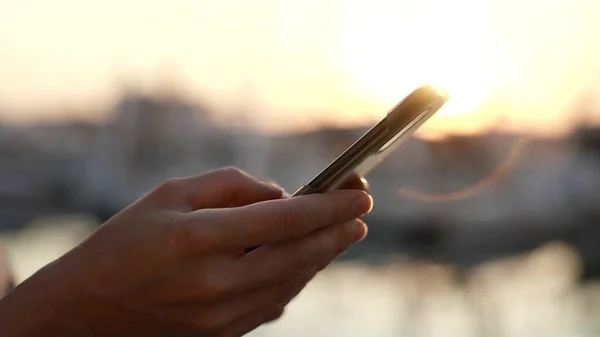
(265, 267)
(355, 182)
(298, 259)
(218, 282)
(279, 220)
(227, 187)
(238, 308)
(251, 322)
(198, 320)
(271, 182)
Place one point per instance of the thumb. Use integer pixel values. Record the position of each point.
(226, 187)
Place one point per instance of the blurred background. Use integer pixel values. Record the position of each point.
(485, 223)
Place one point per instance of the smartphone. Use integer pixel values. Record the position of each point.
(380, 141)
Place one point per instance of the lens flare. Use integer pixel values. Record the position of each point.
(489, 181)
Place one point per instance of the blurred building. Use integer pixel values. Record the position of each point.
(471, 198)
(149, 140)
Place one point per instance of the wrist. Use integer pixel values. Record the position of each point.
(46, 304)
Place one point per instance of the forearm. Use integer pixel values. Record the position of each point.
(42, 305)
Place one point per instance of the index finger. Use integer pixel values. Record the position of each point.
(284, 219)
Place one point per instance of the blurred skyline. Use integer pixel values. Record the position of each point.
(490, 235)
(509, 64)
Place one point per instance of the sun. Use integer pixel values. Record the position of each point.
(449, 48)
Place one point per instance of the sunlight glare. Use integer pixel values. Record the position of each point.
(495, 64)
(448, 47)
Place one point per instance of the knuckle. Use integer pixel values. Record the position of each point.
(291, 290)
(342, 209)
(339, 240)
(293, 219)
(169, 187)
(232, 172)
(211, 287)
(285, 291)
(329, 243)
(304, 262)
(182, 237)
(274, 314)
(336, 212)
(289, 220)
(189, 236)
(200, 232)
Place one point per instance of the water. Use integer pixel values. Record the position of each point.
(532, 295)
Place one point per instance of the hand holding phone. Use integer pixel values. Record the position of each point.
(379, 142)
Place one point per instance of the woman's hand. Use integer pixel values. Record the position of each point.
(173, 263)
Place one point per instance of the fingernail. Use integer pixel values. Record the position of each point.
(362, 204)
(357, 230)
(366, 185)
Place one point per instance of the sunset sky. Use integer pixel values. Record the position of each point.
(515, 64)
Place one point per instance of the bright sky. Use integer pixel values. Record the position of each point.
(513, 63)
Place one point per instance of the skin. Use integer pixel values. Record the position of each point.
(173, 263)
